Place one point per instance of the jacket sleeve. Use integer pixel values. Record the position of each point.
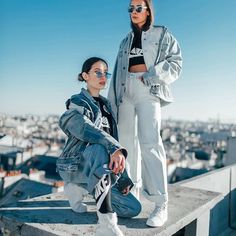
(112, 92)
(74, 123)
(168, 69)
(124, 181)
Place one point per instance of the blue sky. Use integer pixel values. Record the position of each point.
(43, 44)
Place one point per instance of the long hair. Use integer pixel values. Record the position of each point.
(150, 18)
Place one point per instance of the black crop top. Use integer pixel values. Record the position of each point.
(136, 51)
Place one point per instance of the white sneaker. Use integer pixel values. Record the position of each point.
(107, 225)
(158, 217)
(75, 195)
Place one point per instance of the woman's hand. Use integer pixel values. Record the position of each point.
(117, 162)
(126, 190)
(141, 79)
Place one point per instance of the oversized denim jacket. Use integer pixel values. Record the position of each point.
(162, 56)
(82, 124)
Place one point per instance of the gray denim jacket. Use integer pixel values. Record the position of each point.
(81, 123)
(162, 56)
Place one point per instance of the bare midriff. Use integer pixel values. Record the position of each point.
(138, 68)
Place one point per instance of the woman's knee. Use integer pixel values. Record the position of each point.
(125, 205)
(132, 210)
(135, 208)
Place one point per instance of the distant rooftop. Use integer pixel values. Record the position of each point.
(41, 162)
(24, 189)
(4, 150)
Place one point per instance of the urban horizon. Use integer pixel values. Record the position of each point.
(214, 119)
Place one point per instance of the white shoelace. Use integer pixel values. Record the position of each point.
(159, 209)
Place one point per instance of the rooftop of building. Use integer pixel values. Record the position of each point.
(203, 205)
(52, 214)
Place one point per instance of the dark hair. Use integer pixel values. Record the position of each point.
(88, 65)
(150, 18)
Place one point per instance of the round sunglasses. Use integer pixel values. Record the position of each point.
(99, 74)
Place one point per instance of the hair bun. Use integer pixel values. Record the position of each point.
(80, 77)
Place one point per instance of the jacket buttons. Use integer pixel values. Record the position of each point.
(123, 84)
(124, 68)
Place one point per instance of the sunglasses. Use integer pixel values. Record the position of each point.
(99, 74)
(138, 8)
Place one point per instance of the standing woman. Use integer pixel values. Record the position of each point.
(148, 61)
(92, 158)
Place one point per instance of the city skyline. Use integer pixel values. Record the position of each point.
(44, 43)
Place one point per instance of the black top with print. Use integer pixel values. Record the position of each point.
(106, 116)
(136, 52)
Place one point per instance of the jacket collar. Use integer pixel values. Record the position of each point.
(86, 93)
(146, 31)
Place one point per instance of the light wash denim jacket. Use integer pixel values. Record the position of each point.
(81, 123)
(162, 56)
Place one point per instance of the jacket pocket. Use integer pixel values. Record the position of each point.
(70, 170)
(68, 163)
(76, 177)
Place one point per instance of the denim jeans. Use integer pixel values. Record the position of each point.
(140, 124)
(92, 167)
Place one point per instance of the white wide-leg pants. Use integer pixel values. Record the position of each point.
(139, 125)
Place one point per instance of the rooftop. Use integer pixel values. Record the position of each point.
(24, 189)
(51, 214)
(4, 150)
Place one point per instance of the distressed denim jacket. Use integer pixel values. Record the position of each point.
(82, 124)
(162, 56)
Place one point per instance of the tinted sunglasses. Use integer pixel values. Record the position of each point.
(138, 8)
(99, 74)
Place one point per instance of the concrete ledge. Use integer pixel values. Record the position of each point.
(51, 215)
(223, 181)
(233, 197)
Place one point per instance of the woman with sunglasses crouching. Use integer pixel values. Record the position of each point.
(93, 160)
(148, 61)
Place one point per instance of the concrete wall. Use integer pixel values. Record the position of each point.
(233, 198)
(231, 150)
(223, 181)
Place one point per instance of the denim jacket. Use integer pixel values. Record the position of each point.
(162, 56)
(82, 124)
